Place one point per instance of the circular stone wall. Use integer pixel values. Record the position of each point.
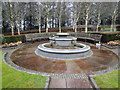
(102, 59)
(80, 52)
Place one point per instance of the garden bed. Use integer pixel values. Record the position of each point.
(112, 44)
(11, 45)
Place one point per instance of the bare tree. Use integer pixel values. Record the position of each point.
(87, 13)
(76, 13)
(47, 7)
(39, 14)
(8, 10)
(59, 13)
(19, 13)
(99, 4)
(114, 16)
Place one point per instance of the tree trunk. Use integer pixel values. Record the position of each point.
(86, 23)
(18, 28)
(86, 26)
(18, 31)
(47, 22)
(112, 24)
(39, 28)
(111, 27)
(114, 27)
(12, 30)
(99, 21)
(75, 28)
(59, 24)
(24, 25)
(113, 19)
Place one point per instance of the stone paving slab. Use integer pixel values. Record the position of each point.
(101, 60)
(57, 83)
(69, 83)
(78, 83)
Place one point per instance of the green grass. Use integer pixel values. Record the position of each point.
(12, 78)
(109, 80)
(0, 70)
(110, 32)
(105, 28)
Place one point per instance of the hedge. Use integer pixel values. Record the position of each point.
(63, 29)
(1, 38)
(109, 36)
(118, 28)
(15, 38)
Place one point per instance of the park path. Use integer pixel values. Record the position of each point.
(69, 83)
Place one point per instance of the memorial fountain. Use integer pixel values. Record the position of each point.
(61, 55)
(62, 46)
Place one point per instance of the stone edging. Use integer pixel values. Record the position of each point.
(16, 67)
(90, 77)
(93, 83)
(51, 74)
(47, 82)
(57, 75)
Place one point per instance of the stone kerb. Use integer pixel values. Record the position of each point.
(84, 49)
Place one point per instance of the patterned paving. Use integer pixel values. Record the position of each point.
(63, 73)
(70, 83)
(101, 59)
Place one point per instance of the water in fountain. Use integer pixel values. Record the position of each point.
(63, 47)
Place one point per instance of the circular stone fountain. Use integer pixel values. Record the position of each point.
(25, 59)
(63, 47)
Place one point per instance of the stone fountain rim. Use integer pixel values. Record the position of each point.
(63, 38)
(64, 34)
(64, 51)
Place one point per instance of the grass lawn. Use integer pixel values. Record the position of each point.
(110, 32)
(12, 78)
(109, 80)
(105, 28)
(0, 70)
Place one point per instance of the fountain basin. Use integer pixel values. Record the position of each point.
(53, 50)
(26, 60)
(63, 47)
(63, 39)
(62, 34)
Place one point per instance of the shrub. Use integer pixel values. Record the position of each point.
(110, 37)
(1, 38)
(118, 28)
(15, 38)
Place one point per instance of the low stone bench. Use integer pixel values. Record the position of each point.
(30, 37)
(44, 36)
(87, 36)
(38, 36)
